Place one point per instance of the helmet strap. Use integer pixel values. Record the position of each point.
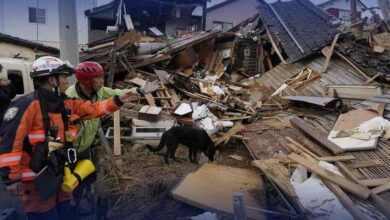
(56, 88)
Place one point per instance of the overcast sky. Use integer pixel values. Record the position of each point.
(369, 3)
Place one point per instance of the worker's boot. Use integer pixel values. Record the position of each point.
(87, 206)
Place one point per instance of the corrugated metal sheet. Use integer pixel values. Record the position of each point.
(338, 73)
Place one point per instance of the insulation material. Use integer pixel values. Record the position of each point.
(352, 120)
(316, 197)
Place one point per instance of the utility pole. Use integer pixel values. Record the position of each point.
(69, 44)
(353, 12)
(385, 8)
(204, 15)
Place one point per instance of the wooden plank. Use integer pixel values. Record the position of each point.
(356, 91)
(372, 78)
(315, 136)
(382, 188)
(235, 118)
(117, 133)
(374, 182)
(329, 53)
(196, 190)
(302, 148)
(347, 172)
(359, 190)
(155, 59)
(150, 99)
(345, 200)
(337, 158)
(367, 163)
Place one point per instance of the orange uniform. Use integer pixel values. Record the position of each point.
(25, 115)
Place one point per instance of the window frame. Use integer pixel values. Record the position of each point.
(37, 15)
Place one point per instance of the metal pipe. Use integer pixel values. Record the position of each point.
(285, 27)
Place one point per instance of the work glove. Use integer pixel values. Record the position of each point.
(149, 87)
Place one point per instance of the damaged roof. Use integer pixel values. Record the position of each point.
(289, 22)
(26, 43)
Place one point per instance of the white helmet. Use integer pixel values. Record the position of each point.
(50, 66)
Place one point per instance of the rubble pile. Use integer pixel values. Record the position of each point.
(309, 106)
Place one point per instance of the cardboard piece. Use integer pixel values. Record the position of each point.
(212, 187)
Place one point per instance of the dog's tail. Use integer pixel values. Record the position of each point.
(159, 147)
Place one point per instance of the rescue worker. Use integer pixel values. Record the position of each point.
(7, 93)
(90, 86)
(33, 120)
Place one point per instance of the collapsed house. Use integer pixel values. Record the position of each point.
(155, 17)
(308, 101)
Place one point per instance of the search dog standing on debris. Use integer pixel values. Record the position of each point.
(194, 138)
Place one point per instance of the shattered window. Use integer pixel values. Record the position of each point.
(218, 25)
(16, 78)
(37, 15)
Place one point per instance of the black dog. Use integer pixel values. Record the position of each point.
(194, 138)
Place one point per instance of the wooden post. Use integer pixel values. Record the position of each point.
(110, 81)
(117, 133)
(354, 18)
(239, 206)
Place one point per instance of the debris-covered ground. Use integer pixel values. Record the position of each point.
(303, 103)
(143, 192)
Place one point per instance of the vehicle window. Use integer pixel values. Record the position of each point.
(16, 78)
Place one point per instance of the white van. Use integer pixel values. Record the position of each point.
(18, 71)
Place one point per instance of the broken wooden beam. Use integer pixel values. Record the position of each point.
(329, 53)
(374, 182)
(269, 35)
(314, 135)
(359, 190)
(380, 189)
(345, 200)
(366, 163)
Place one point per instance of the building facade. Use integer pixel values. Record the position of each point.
(227, 14)
(38, 20)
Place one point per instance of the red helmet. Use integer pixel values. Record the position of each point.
(86, 71)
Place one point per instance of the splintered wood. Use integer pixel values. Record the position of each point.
(167, 97)
(226, 137)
